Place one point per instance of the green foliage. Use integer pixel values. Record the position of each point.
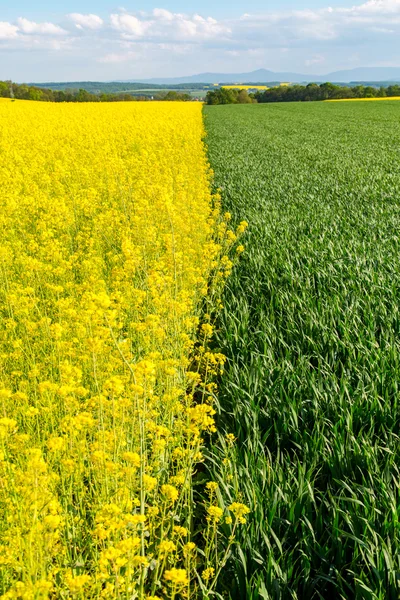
(244, 97)
(173, 96)
(228, 96)
(324, 91)
(116, 87)
(95, 87)
(311, 329)
(29, 92)
(300, 93)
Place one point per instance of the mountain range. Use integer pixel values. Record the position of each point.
(375, 74)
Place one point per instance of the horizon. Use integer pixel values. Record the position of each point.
(212, 73)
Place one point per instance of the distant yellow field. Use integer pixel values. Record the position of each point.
(245, 87)
(364, 99)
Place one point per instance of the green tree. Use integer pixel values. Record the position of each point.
(243, 97)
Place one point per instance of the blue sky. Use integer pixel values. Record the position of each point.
(216, 8)
(102, 40)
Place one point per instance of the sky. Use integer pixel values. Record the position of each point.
(100, 41)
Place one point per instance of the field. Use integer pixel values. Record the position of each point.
(245, 87)
(389, 98)
(111, 245)
(311, 331)
(190, 410)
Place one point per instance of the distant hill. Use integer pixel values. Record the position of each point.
(207, 78)
(387, 74)
(366, 75)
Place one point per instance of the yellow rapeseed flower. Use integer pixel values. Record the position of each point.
(177, 577)
(166, 547)
(108, 232)
(208, 573)
(170, 492)
(214, 513)
(240, 511)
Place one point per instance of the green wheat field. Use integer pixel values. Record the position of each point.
(311, 329)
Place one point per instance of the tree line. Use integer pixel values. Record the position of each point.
(116, 87)
(300, 93)
(29, 92)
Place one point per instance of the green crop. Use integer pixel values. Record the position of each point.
(311, 329)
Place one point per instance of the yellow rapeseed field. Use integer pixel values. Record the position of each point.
(108, 238)
(245, 87)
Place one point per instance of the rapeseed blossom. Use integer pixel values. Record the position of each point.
(110, 239)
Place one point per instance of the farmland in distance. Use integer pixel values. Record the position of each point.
(311, 329)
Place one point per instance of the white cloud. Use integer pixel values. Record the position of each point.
(30, 27)
(161, 13)
(374, 7)
(273, 30)
(128, 24)
(162, 24)
(159, 41)
(7, 31)
(326, 24)
(86, 21)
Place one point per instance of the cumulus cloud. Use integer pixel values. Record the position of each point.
(30, 27)
(161, 13)
(161, 38)
(269, 29)
(86, 21)
(128, 24)
(325, 24)
(373, 7)
(163, 24)
(7, 31)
